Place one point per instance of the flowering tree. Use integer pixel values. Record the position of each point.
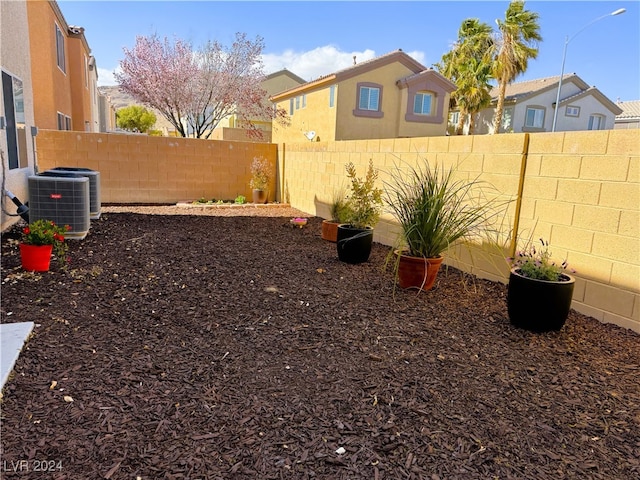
(195, 90)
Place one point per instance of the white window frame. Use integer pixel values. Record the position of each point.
(420, 98)
(332, 96)
(538, 117)
(365, 100)
(454, 118)
(572, 111)
(601, 121)
(60, 51)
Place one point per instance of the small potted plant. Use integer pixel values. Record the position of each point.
(260, 177)
(339, 211)
(364, 207)
(540, 290)
(39, 240)
(434, 211)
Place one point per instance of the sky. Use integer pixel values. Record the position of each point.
(312, 39)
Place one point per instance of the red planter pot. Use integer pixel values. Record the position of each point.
(35, 258)
(417, 272)
(330, 230)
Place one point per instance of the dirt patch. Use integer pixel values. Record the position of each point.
(215, 347)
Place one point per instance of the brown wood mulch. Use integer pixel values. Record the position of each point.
(187, 347)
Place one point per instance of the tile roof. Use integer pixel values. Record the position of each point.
(630, 109)
(518, 90)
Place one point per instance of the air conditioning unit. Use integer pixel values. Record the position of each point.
(64, 200)
(95, 203)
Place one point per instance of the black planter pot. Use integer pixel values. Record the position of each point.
(539, 305)
(354, 244)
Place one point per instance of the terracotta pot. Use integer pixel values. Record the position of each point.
(539, 305)
(330, 230)
(417, 272)
(354, 244)
(35, 258)
(259, 196)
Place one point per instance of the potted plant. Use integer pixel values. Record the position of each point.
(540, 290)
(39, 240)
(339, 211)
(260, 176)
(364, 207)
(434, 212)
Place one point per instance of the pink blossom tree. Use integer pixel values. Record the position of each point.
(195, 90)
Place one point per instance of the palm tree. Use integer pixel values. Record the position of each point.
(467, 66)
(515, 44)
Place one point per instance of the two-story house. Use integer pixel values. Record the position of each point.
(529, 107)
(391, 96)
(16, 107)
(63, 71)
(630, 115)
(230, 128)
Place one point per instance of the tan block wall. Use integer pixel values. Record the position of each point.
(143, 169)
(581, 192)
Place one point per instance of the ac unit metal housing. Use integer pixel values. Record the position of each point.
(64, 200)
(95, 203)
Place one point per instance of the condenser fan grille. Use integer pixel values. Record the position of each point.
(62, 200)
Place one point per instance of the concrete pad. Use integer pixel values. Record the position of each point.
(12, 338)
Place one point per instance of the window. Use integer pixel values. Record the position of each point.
(291, 106)
(60, 49)
(13, 94)
(332, 96)
(369, 98)
(534, 118)
(572, 111)
(64, 121)
(507, 119)
(86, 71)
(596, 122)
(304, 101)
(422, 103)
(454, 117)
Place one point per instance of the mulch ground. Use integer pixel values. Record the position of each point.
(185, 347)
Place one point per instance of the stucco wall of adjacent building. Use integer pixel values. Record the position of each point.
(51, 86)
(581, 192)
(16, 61)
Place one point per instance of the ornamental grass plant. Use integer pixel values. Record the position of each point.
(435, 210)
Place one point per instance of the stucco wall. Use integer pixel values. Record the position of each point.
(143, 169)
(16, 61)
(581, 192)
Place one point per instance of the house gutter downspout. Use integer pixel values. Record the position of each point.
(523, 172)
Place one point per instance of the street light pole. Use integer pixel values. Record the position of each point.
(564, 57)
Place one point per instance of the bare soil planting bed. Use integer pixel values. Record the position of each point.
(238, 347)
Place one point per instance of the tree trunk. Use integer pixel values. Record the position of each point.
(460, 126)
(497, 121)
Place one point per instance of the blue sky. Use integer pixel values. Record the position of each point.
(317, 38)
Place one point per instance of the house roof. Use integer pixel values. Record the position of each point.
(286, 72)
(357, 69)
(519, 91)
(630, 110)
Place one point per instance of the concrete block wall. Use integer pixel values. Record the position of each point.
(144, 169)
(580, 192)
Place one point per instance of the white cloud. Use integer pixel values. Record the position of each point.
(314, 63)
(106, 78)
(309, 65)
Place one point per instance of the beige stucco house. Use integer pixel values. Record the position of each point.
(391, 96)
(630, 115)
(16, 107)
(529, 107)
(230, 128)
